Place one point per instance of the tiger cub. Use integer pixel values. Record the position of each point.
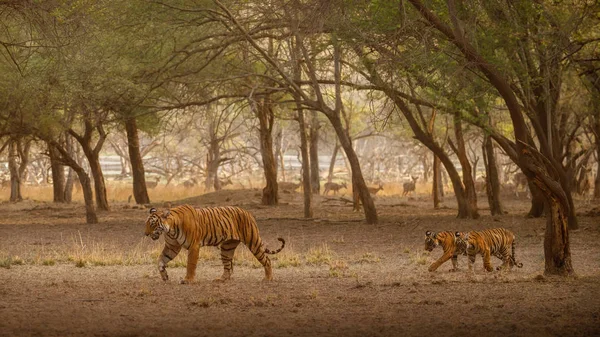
(498, 242)
(452, 248)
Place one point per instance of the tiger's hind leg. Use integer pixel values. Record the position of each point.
(507, 261)
(227, 252)
(261, 256)
(487, 263)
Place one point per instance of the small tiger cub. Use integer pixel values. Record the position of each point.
(452, 248)
(498, 242)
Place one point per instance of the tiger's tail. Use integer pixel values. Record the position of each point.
(514, 259)
(278, 250)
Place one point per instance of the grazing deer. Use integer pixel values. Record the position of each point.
(333, 187)
(288, 186)
(374, 190)
(409, 187)
(190, 183)
(520, 179)
(480, 185)
(225, 182)
(152, 184)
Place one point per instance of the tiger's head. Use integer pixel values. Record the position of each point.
(155, 224)
(431, 241)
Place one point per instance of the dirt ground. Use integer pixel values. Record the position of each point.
(337, 275)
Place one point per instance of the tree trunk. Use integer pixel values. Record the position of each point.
(358, 182)
(266, 118)
(93, 157)
(308, 211)
(556, 241)
(213, 161)
(314, 155)
(538, 201)
(464, 206)
(467, 172)
(84, 180)
(140, 193)
(437, 182)
(13, 167)
(278, 151)
(68, 191)
(99, 185)
(336, 148)
(58, 175)
(597, 180)
(88, 197)
(491, 176)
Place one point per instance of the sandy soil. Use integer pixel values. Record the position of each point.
(336, 277)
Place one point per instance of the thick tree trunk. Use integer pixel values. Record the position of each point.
(58, 175)
(491, 177)
(13, 167)
(266, 118)
(88, 197)
(358, 182)
(213, 161)
(556, 241)
(99, 185)
(314, 155)
(140, 192)
(308, 211)
(437, 182)
(597, 180)
(467, 172)
(538, 201)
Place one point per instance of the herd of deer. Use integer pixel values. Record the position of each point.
(408, 187)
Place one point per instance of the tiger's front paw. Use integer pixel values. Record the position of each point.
(432, 268)
(453, 270)
(187, 280)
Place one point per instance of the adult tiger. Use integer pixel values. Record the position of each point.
(190, 228)
(452, 248)
(490, 242)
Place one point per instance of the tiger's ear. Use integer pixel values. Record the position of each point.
(152, 210)
(457, 234)
(428, 233)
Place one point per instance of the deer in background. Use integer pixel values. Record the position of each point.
(520, 179)
(190, 183)
(288, 186)
(225, 182)
(333, 187)
(409, 187)
(480, 185)
(374, 190)
(152, 184)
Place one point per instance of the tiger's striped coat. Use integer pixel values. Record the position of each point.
(190, 228)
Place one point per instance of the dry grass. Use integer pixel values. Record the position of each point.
(319, 255)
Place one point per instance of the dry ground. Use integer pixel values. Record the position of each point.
(337, 276)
